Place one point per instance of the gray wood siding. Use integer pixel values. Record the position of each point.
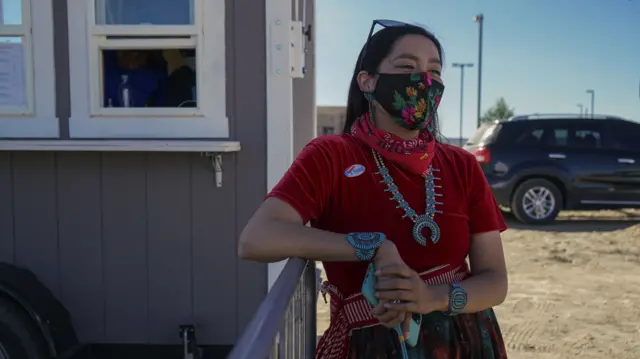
(133, 244)
(136, 244)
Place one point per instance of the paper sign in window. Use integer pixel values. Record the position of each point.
(12, 74)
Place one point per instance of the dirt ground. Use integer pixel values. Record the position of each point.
(574, 288)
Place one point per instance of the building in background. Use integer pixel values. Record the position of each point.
(330, 119)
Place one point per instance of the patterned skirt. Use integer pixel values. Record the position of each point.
(466, 336)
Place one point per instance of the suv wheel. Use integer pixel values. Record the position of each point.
(19, 338)
(536, 201)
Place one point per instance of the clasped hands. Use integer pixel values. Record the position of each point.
(400, 290)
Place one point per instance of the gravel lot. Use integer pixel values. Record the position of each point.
(574, 288)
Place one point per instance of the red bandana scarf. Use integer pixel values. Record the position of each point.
(415, 155)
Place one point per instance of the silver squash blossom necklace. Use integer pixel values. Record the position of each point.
(420, 222)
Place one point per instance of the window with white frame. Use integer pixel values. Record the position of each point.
(27, 73)
(147, 64)
(16, 96)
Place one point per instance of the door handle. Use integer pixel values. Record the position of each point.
(626, 160)
(557, 156)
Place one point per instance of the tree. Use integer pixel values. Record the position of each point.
(499, 111)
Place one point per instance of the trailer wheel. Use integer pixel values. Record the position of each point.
(19, 337)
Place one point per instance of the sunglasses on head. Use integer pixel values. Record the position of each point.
(384, 24)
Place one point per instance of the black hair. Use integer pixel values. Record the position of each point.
(373, 52)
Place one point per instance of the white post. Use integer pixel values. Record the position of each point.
(282, 48)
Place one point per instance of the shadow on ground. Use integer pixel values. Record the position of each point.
(597, 221)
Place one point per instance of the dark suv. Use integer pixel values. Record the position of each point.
(538, 165)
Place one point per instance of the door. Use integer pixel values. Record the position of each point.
(627, 175)
(584, 149)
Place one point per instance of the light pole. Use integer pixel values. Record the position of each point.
(580, 106)
(593, 96)
(461, 66)
(480, 20)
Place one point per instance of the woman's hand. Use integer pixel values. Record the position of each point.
(388, 318)
(402, 290)
(388, 256)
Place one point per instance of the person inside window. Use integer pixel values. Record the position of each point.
(387, 192)
(180, 88)
(142, 72)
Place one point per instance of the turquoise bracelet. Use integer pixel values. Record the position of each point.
(366, 244)
(458, 299)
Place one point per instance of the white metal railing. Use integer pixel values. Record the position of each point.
(284, 326)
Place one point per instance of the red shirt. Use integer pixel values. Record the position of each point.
(317, 187)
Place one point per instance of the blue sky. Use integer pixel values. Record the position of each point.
(540, 55)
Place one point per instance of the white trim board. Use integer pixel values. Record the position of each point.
(145, 127)
(279, 102)
(120, 146)
(29, 127)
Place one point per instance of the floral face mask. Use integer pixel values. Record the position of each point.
(411, 99)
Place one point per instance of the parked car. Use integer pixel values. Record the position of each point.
(538, 165)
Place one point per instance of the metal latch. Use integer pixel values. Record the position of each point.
(297, 52)
(216, 163)
(287, 43)
(189, 347)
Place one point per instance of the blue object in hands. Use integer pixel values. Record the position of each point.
(369, 293)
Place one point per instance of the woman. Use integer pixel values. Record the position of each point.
(386, 191)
